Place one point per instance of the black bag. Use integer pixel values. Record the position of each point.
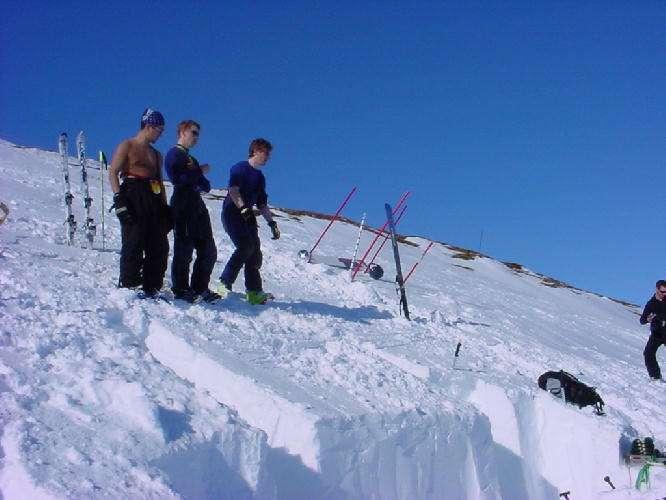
(573, 390)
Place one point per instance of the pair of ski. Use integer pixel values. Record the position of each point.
(90, 228)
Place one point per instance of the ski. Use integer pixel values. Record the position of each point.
(375, 271)
(103, 171)
(358, 241)
(396, 255)
(71, 223)
(87, 200)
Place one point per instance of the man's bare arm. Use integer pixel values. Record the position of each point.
(118, 162)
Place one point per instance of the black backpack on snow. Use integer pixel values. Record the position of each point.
(574, 391)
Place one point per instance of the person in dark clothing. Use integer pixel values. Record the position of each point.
(247, 187)
(140, 204)
(192, 230)
(655, 314)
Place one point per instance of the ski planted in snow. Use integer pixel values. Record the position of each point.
(102, 174)
(87, 200)
(398, 268)
(71, 223)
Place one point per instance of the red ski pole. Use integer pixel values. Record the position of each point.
(386, 237)
(335, 217)
(401, 201)
(417, 263)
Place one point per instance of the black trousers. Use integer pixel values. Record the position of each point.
(650, 354)
(192, 231)
(145, 246)
(247, 254)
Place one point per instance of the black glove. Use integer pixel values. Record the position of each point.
(122, 210)
(248, 215)
(275, 230)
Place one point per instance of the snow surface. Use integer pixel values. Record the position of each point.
(324, 393)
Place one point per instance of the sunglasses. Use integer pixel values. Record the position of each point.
(662, 291)
(195, 133)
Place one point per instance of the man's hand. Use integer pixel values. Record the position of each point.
(650, 317)
(121, 209)
(248, 215)
(205, 168)
(275, 230)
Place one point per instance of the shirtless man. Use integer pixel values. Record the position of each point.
(141, 206)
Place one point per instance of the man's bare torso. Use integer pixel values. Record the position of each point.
(142, 160)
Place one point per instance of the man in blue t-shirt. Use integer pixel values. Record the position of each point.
(247, 187)
(192, 230)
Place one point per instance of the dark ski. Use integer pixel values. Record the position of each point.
(400, 283)
(375, 271)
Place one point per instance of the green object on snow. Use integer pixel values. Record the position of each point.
(643, 478)
(256, 298)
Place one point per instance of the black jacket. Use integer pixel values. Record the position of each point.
(657, 307)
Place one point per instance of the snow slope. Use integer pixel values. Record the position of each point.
(325, 393)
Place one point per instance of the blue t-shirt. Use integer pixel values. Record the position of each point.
(184, 170)
(250, 182)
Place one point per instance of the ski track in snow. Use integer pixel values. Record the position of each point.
(324, 393)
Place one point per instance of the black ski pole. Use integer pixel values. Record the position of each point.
(607, 479)
(455, 358)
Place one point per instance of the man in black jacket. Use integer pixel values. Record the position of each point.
(192, 229)
(655, 314)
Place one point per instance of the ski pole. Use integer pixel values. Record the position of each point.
(607, 479)
(455, 356)
(565, 494)
(335, 217)
(387, 236)
(418, 261)
(401, 201)
(102, 170)
(358, 240)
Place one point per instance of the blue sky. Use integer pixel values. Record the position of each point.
(539, 124)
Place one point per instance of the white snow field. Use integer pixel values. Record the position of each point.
(324, 393)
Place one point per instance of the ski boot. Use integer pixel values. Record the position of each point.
(258, 298)
(207, 296)
(223, 289)
(187, 295)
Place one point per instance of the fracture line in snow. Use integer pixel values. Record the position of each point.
(288, 424)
